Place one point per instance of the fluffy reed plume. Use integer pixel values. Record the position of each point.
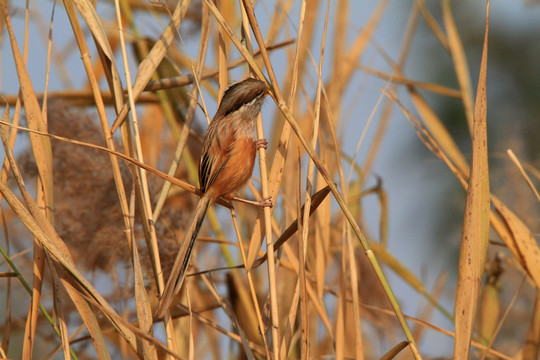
(87, 213)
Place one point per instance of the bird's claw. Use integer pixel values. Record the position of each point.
(266, 202)
(261, 144)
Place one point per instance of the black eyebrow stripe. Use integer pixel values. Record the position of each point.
(241, 97)
(239, 104)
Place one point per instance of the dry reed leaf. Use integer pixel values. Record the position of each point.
(59, 309)
(316, 201)
(254, 305)
(11, 141)
(297, 285)
(320, 271)
(272, 282)
(504, 233)
(144, 313)
(274, 181)
(41, 146)
(121, 326)
(76, 285)
(87, 314)
(289, 336)
(150, 63)
(43, 156)
(143, 308)
(88, 13)
(460, 63)
(340, 46)
(531, 348)
(303, 227)
(475, 235)
(37, 283)
(397, 267)
(438, 329)
(30, 332)
(438, 131)
(400, 79)
(395, 351)
(522, 240)
(501, 228)
(183, 138)
(435, 126)
(432, 23)
(331, 153)
(351, 220)
(353, 322)
(100, 108)
(526, 245)
(53, 246)
(433, 145)
(111, 74)
(323, 229)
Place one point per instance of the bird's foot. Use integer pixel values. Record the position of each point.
(261, 144)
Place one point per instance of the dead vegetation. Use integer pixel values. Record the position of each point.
(97, 196)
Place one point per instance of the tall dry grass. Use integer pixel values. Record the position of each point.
(98, 198)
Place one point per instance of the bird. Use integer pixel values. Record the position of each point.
(226, 165)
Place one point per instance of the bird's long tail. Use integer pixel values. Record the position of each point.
(178, 272)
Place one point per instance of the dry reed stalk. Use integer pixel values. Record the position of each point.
(42, 152)
(460, 63)
(322, 294)
(144, 311)
(523, 173)
(531, 349)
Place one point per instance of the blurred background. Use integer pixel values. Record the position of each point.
(424, 205)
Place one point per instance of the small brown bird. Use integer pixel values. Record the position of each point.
(226, 165)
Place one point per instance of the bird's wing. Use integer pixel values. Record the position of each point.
(216, 153)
